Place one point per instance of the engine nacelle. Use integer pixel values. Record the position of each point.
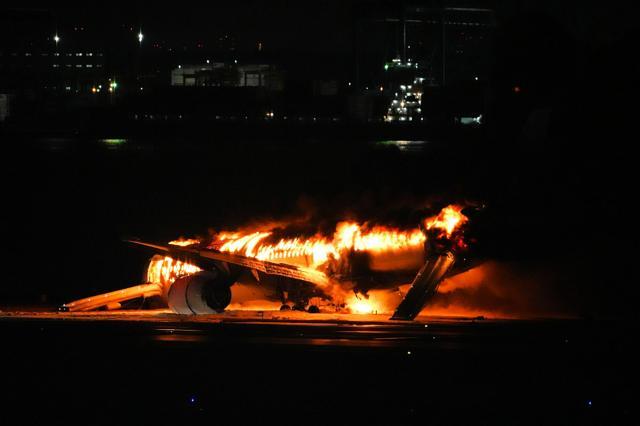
(204, 292)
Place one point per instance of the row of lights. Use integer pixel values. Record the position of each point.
(57, 39)
(113, 85)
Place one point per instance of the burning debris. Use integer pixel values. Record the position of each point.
(336, 272)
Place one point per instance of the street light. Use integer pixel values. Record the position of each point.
(56, 38)
(140, 37)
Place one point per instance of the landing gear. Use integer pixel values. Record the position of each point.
(299, 306)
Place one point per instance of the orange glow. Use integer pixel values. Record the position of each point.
(359, 304)
(316, 250)
(313, 251)
(378, 239)
(388, 247)
(184, 243)
(254, 305)
(449, 220)
(454, 311)
(245, 244)
(165, 270)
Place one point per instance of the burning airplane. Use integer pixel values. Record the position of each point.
(319, 272)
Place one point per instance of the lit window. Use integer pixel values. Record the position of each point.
(252, 79)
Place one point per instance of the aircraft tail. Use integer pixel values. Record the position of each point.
(424, 286)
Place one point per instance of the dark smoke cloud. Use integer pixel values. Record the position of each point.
(319, 215)
(511, 289)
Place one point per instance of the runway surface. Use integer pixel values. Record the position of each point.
(297, 328)
(147, 367)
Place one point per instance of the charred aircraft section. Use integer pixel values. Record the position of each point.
(193, 278)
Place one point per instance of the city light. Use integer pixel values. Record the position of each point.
(56, 38)
(406, 103)
(140, 37)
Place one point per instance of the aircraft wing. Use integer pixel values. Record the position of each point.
(271, 268)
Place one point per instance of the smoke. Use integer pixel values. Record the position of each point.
(495, 289)
(319, 216)
(504, 290)
(492, 290)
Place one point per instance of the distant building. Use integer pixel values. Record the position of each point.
(228, 75)
(467, 36)
(36, 59)
(261, 75)
(409, 48)
(449, 39)
(197, 75)
(74, 71)
(4, 106)
(325, 87)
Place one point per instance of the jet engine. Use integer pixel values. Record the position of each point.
(204, 292)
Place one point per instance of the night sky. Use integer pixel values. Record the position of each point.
(322, 26)
(277, 24)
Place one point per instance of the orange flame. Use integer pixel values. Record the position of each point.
(317, 250)
(349, 236)
(165, 270)
(184, 243)
(362, 305)
(449, 220)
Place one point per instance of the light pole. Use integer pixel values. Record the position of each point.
(138, 57)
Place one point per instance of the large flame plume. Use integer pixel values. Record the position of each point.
(348, 236)
(447, 222)
(165, 270)
(317, 250)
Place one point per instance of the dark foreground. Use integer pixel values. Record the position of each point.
(164, 369)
